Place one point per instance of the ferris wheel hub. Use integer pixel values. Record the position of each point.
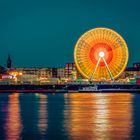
(101, 54)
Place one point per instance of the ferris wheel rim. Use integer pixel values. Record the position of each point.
(101, 28)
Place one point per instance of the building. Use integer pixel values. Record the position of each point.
(69, 67)
(9, 62)
(44, 73)
(28, 71)
(60, 73)
(27, 79)
(131, 72)
(136, 65)
(2, 70)
(54, 72)
(39, 72)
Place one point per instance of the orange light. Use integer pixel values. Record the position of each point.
(20, 73)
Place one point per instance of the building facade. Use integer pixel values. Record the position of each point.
(131, 72)
(60, 73)
(69, 68)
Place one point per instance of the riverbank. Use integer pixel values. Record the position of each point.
(70, 88)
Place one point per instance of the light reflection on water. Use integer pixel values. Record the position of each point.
(42, 122)
(67, 116)
(99, 116)
(13, 124)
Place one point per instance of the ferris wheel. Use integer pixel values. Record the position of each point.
(101, 53)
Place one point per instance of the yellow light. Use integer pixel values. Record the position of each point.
(20, 73)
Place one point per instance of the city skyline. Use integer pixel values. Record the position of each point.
(44, 34)
(11, 65)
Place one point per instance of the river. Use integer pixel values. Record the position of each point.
(73, 116)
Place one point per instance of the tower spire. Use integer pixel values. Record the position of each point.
(9, 62)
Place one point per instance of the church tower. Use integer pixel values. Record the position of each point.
(9, 62)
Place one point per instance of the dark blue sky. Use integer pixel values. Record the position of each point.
(43, 33)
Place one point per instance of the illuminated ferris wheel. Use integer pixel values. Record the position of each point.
(101, 53)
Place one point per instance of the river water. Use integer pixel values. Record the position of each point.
(76, 116)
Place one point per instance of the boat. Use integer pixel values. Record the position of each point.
(93, 88)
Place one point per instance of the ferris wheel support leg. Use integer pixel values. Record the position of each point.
(95, 69)
(109, 72)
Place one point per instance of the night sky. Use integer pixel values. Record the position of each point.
(43, 33)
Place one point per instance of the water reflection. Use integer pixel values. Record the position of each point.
(29, 104)
(42, 122)
(13, 124)
(101, 117)
(98, 116)
(56, 108)
(66, 116)
(3, 114)
(121, 116)
(79, 116)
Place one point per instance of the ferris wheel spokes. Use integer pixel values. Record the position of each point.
(109, 72)
(95, 69)
(101, 55)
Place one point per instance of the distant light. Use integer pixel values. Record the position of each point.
(7, 76)
(20, 73)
